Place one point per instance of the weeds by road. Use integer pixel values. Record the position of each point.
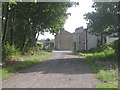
(104, 64)
(106, 70)
(61, 70)
(23, 62)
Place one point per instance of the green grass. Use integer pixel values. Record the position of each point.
(75, 53)
(105, 87)
(22, 63)
(108, 77)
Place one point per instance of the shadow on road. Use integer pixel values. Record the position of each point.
(61, 66)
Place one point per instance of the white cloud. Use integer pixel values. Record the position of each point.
(76, 18)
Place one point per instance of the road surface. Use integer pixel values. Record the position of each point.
(62, 70)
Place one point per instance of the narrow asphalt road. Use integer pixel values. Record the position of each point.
(62, 70)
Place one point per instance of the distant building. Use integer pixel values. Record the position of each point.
(84, 40)
(64, 40)
(80, 40)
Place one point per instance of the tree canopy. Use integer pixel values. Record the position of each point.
(23, 21)
(104, 20)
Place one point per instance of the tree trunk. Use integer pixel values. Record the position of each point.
(37, 36)
(24, 40)
(33, 37)
(10, 29)
(5, 24)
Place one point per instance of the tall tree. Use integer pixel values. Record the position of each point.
(104, 20)
(22, 22)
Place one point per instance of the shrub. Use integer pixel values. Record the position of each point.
(9, 50)
(106, 50)
(107, 75)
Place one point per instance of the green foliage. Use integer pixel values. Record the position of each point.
(40, 45)
(103, 21)
(108, 76)
(23, 22)
(4, 74)
(24, 62)
(75, 53)
(106, 87)
(10, 50)
(106, 50)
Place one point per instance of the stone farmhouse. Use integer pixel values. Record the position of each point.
(83, 40)
(64, 41)
(80, 40)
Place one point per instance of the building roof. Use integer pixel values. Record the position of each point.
(64, 31)
(79, 28)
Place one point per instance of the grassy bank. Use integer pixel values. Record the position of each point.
(104, 64)
(22, 62)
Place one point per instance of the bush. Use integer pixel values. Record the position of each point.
(109, 78)
(106, 50)
(9, 50)
(107, 75)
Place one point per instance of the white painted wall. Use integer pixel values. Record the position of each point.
(111, 39)
(91, 41)
(79, 37)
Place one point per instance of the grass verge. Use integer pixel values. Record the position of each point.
(106, 71)
(23, 62)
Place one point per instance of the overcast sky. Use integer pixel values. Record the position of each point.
(76, 18)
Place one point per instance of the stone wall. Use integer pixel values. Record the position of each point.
(75, 41)
(91, 41)
(64, 41)
(79, 39)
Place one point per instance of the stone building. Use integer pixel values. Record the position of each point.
(80, 40)
(64, 40)
(83, 40)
